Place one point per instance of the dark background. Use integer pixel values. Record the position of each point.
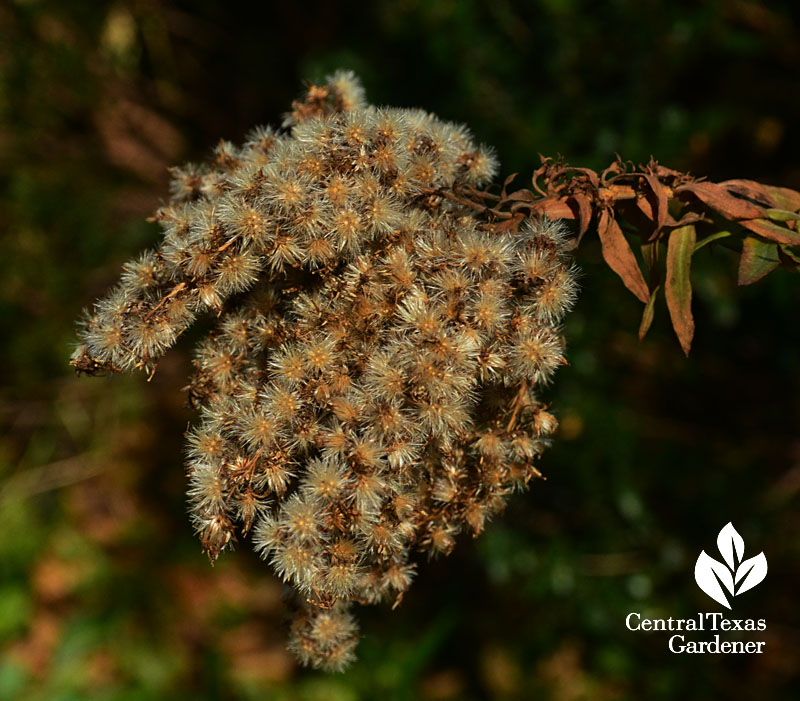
(104, 593)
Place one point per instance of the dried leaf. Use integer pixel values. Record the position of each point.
(619, 256)
(718, 198)
(663, 172)
(554, 209)
(751, 190)
(678, 288)
(648, 313)
(511, 224)
(590, 175)
(759, 258)
(772, 231)
(687, 218)
(582, 209)
(520, 196)
(645, 207)
(661, 201)
(506, 183)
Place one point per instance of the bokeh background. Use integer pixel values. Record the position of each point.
(104, 593)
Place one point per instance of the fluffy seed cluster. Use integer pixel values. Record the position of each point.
(368, 390)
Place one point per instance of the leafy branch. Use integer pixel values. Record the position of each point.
(649, 205)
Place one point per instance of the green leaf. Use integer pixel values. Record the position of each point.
(759, 258)
(678, 287)
(709, 239)
(788, 259)
(647, 314)
(650, 256)
(782, 215)
(784, 197)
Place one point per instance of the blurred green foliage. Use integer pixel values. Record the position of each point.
(104, 593)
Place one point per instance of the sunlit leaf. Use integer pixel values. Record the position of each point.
(678, 287)
(710, 239)
(751, 190)
(784, 197)
(772, 231)
(619, 256)
(647, 314)
(718, 198)
(782, 215)
(759, 258)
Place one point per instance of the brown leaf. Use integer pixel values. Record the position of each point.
(511, 224)
(759, 258)
(772, 231)
(664, 172)
(582, 210)
(678, 288)
(687, 218)
(506, 183)
(619, 256)
(645, 208)
(590, 175)
(728, 205)
(520, 196)
(661, 201)
(554, 209)
(750, 189)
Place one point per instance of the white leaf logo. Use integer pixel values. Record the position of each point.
(729, 542)
(712, 575)
(751, 572)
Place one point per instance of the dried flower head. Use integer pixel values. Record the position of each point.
(369, 389)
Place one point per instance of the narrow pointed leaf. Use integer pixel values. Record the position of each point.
(772, 231)
(647, 315)
(678, 287)
(711, 239)
(619, 256)
(759, 258)
(788, 259)
(782, 215)
(720, 199)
